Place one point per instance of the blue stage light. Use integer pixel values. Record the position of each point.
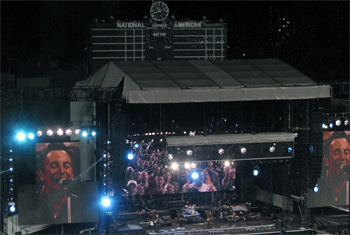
(290, 149)
(136, 145)
(130, 156)
(106, 202)
(84, 133)
(21, 136)
(316, 188)
(31, 136)
(255, 172)
(93, 133)
(12, 208)
(311, 148)
(195, 175)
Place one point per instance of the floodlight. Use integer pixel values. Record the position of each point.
(130, 156)
(69, 132)
(31, 136)
(49, 132)
(338, 122)
(60, 132)
(174, 166)
(21, 136)
(84, 133)
(106, 202)
(77, 131)
(194, 175)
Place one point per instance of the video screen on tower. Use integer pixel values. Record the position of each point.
(58, 196)
(333, 185)
(151, 173)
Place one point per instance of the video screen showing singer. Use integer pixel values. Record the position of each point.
(58, 202)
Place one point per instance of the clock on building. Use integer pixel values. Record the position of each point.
(159, 11)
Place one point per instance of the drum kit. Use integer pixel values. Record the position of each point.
(190, 210)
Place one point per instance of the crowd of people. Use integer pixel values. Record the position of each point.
(149, 174)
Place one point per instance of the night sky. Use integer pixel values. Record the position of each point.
(317, 42)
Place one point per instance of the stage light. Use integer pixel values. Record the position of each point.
(187, 165)
(227, 163)
(11, 169)
(194, 175)
(272, 149)
(136, 145)
(109, 142)
(221, 151)
(331, 125)
(77, 131)
(316, 188)
(243, 150)
(106, 202)
(84, 133)
(346, 122)
(189, 152)
(338, 122)
(295, 135)
(31, 136)
(49, 132)
(69, 132)
(290, 149)
(39, 133)
(21, 136)
(311, 148)
(60, 132)
(324, 126)
(256, 170)
(192, 133)
(170, 157)
(93, 133)
(12, 208)
(174, 166)
(193, 165)
(10, 159)
(130, 156)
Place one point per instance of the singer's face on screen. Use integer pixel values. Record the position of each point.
(57, 165)
(339, 154)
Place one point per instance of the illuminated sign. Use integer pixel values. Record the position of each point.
(130, 25)
(187, 24)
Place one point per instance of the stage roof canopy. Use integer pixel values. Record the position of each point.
(206, 81)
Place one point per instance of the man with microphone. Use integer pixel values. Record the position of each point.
(56, 174)
(337, 162)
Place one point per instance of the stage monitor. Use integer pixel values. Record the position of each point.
(58, 196)
(333, 185)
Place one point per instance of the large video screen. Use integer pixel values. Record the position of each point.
(150, 173)
(334, 181)
(58, 196)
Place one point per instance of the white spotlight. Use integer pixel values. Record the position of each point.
(60, 132)
(69, 132)
(193, 165)
(187, 165)
(174, 166)
(272, 149)
(338, 122)
(39, 133)
(243, 150)
(221, 151)
(77, 131)
(170, 157)
(227, 163)
(189, 152)
(346, 122)
(49, 132)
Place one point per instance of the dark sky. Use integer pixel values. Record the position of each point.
(320, 40)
